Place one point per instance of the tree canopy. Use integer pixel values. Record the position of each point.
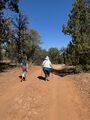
(78, 26)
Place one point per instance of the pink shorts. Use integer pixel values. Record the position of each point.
(24, 70)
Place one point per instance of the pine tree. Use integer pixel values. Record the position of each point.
(78, 26)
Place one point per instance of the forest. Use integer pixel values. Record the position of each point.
(17, 36)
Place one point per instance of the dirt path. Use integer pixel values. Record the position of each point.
(36, 99)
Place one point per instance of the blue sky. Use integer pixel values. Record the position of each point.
(47, 17)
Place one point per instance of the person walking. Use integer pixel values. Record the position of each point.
(47, 67)
(24, 66)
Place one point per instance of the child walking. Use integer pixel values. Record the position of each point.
(24, 66)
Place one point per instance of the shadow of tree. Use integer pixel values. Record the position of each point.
(4, 66)
(63, 72)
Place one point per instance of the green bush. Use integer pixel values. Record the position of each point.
(86, 67)
(82, 68)
(78, 69)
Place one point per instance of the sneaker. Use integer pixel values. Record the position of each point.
(47, 79)
(23, 79)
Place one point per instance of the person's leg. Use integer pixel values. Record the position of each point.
(49, 71)
(21, 75)
(24, 75)
(46, 75)
(46, 72)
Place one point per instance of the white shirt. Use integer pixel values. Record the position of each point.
(46, 63)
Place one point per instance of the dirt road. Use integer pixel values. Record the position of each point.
(36, 99)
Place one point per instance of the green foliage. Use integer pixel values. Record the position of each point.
(78, 69)
(86, 67)
(5, 23)
(20, 34)
(16, 37)
(0, 53)
(81, 68)
(39, 55)
(33, 42)
(54, 55)
(9, 4)
(78, 26)
(24, 39)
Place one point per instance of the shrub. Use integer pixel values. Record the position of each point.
(78, 69)
(86, 67)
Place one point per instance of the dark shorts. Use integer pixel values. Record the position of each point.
(47, 70)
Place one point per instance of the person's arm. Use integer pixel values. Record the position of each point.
(27, 66)
(43, 64)
(51, 65)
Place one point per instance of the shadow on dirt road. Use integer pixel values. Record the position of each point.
(41, 78)
(64, 71)
(4, 66)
